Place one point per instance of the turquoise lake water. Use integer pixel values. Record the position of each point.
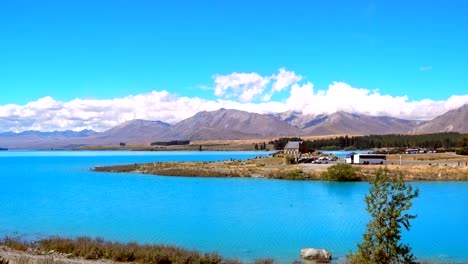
(47, 193)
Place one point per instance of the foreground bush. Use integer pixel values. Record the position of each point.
(89, 248)
(340, 172)
(15, 244)
(3, 261)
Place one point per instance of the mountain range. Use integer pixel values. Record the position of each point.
(224, 124)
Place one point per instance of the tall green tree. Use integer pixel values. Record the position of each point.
(463, 146)
(387, 203)
(464, 142)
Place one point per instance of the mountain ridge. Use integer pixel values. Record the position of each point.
(455, 120)
(228, 124)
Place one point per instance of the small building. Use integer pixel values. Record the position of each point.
(292, 148)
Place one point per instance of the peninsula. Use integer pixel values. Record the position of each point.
(428, 167)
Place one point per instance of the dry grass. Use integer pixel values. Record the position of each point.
(215, 145)
(98, 249)
(212, 145)
(266, 167)
(432, 157)
(276, 168)
(419, 172)
(264, 261)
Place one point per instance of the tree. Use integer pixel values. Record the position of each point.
(463, 146)
(387, 202)
(463, 142)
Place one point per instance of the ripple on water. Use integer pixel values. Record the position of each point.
(244, 218)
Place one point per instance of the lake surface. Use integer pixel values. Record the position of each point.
(54, 193)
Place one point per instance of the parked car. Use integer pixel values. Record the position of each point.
(322, 160)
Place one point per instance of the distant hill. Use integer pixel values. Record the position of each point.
(40, 140)
(226, 124)
(299, 120)
(231, 124)
(52, 134)
(132, 132)
(346, 123)
(453, 121)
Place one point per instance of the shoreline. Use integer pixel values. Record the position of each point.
(278, 168)
(29, 257)
(86, 250)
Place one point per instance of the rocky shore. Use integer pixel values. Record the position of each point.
(51, 257)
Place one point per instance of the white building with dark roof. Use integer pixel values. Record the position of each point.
(292, 148)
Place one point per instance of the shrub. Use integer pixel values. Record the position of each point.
(89, 248)
(340, 172)
(296, 174)
(287, 174)
(289, 160)
(3, 260)
(462, 151)
(15, 243)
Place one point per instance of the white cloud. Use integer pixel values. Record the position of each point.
(245, 86)
(266, 98)
(47, 114)
(249, 86)
(343, 97)
(300, 98)
(236, 90)
(284, 79)
(456, 101)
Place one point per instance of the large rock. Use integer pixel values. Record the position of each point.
(315, 254)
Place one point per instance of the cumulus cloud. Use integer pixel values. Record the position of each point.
(236, 91)
(47, 114)
(245, 86)
(342, 97)
(248, 86)
(284, 79)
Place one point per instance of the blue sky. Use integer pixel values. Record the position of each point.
(113, 49)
